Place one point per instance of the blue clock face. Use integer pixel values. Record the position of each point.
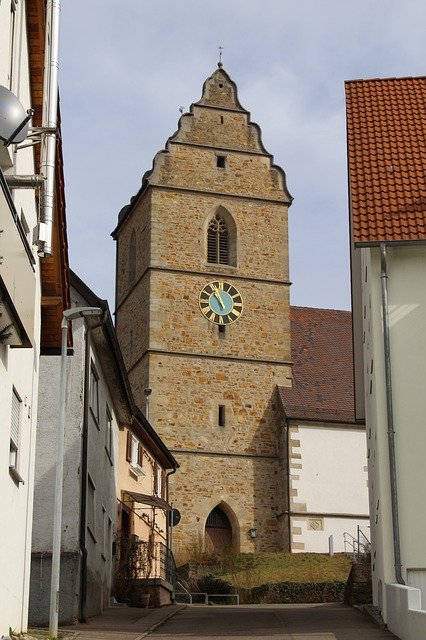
(220, 302)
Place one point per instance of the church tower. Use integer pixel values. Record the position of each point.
(203, 320)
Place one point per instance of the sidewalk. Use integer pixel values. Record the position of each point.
(121, 623)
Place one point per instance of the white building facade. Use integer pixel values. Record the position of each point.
(328, 488)
(95, 406)
(388, 236)
(20, 317)
(323, 444)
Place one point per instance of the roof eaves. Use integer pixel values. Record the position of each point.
(144, 428)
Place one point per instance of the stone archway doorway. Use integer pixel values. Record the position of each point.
(218, 538)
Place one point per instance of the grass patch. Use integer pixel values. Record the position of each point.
(252, 570)
(43, 634)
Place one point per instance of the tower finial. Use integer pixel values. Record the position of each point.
(219, 64)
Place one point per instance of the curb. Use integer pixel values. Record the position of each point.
(160, 622)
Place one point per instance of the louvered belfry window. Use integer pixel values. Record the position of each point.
(218, 241)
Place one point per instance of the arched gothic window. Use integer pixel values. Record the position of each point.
(218, 241)
(132, 259)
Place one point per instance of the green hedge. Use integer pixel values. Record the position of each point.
(298, 592)
(277, 593)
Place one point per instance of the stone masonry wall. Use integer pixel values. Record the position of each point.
(250, 499)
(188, 390)
(190, 367)
(191, 167)
(179, 234)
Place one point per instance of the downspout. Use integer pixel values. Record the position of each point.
(49, 120)
(287, 422)
(84, 470)
(169, 536)
(168, 527)
(390, 420)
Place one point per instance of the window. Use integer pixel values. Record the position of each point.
(158, 480)
(221, 162)
(221, 415)
(94, 393)
(134, 452)
(104, 534)
(221, 330)
(108, 443)
(110, 538)
(217, 241)
(91, 506)
(139, 455)
(14, 430)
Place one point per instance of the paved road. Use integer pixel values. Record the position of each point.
(276, 622)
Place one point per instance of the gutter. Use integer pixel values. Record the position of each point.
(84, 471)
(49, 120)
(390, 418)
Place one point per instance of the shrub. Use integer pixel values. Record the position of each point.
(211, 584)
(298, 592)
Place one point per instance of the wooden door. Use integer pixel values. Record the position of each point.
(218, 532)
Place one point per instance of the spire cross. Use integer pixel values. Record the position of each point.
(219, 64)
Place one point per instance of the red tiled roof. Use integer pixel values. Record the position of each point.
(386, 135)
(323, 387)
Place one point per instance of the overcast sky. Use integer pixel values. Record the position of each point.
(127, 66)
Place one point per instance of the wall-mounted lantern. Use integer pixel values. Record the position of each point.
(253, 532)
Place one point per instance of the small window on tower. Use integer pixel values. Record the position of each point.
(221, 330)
(221, 162)
(221, 415)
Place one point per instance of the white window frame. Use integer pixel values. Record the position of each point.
(91, 507)
(108, 426)
(94, 392)
(135, 454)
(15, 436)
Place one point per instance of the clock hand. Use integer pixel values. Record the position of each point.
(218, 296)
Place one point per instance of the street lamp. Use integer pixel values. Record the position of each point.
(147, 393)
(68, 316)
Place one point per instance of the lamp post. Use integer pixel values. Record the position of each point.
(147, 393)
(68, 316)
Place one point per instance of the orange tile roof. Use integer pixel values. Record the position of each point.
(386, 136)
(323, 385)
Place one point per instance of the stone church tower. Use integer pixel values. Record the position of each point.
(203, 319)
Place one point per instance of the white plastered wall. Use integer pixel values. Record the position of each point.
(18, 368)
(407, 315)
(328, 486)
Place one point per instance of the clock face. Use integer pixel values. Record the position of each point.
(220, 302)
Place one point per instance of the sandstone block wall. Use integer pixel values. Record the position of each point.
(175, 351)
(247, 488)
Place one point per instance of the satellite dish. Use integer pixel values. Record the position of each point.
(13, 118)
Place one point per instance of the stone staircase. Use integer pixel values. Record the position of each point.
(358, 588)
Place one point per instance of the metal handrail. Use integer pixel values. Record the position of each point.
(358, 548)
(183, 592)
(206, 597)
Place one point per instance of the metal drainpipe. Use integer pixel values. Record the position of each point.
(49, 118)
(390, 421)
(169, 528)
(84, 470)
(288, 484)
